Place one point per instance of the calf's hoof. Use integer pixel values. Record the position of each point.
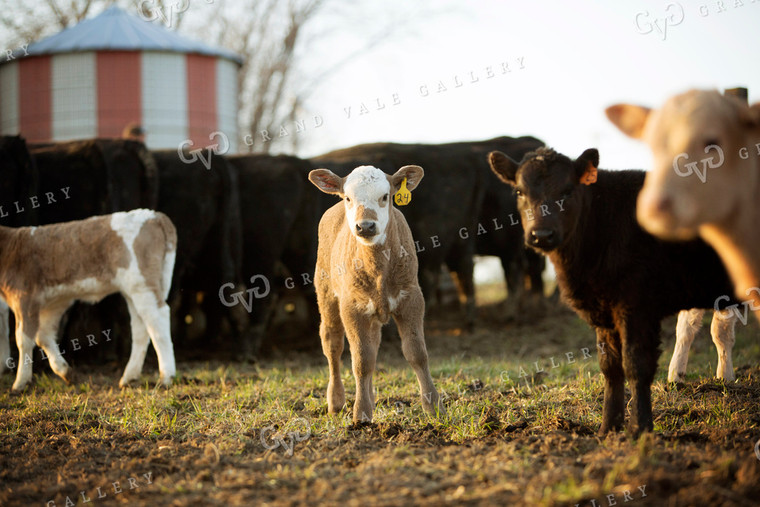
(166, 381)
(434, 409)
(609, 428)
(636, 431)
(432, 404)
(363, 418)
(18, 391)
(70, 377)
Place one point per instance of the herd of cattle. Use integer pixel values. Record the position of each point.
(247, 225)
(253, 219)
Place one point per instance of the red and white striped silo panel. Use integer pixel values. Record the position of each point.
(175, 97)
(96, 77)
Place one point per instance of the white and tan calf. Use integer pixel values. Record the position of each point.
(705, 179)
(366, 273)
(43, 270)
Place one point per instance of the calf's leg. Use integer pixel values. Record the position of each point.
(5, 344)
(363, 335)
(25, 346)
(611, 364)
(689, 322)
(331, 333)
(140, 340)
(157, 318)
(409, 317)
(723, 334)
(47, 334)
(641, 342)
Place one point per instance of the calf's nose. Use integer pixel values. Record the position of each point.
(542, 237)
(366, 228)
(664, 205)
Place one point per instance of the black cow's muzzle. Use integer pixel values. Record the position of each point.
(543, 239)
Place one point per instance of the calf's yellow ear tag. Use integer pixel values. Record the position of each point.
(403, 196)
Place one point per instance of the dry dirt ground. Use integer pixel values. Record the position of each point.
(236, 434)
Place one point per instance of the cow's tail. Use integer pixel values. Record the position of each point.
(170, 252)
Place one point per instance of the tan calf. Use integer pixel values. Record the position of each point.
(43, 270)
(705, 179)
(367, 273)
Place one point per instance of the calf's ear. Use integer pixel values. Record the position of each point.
(503, 166)
(585, 166)
(327, 181)
(413, 175)
(629, 119)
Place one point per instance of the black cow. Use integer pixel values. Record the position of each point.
(618, 278)
(280, 216)
(102, 175)
(204, 204)
(502, 239)
(18, 183)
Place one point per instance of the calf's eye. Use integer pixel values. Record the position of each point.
(348, 199)
(385, 198)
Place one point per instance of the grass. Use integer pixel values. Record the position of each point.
(240, 434)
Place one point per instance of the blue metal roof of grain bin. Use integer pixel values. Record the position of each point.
(92, 79)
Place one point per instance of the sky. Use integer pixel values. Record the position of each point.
(568, 61)
(428, 80)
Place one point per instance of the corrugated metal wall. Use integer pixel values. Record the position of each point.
(74, 90)
(164, 105)
(35, 99)
(201, 98)
(226, 100)
(9, 104)
(119, 91)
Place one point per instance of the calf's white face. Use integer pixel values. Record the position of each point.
(367, 201)
(367, 197)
